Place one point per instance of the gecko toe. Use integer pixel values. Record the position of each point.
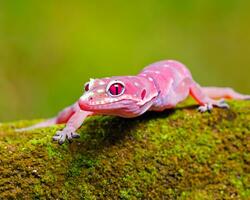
(55, 138)
(62, 136)
(61, 141)
(57, 134)
(204, 108)
(222, 101)
(72, 135)
(75, 135)
(69, 137)
(209, 107)
(223, 105)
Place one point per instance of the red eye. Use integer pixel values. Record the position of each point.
(116, 89)
(86, 87)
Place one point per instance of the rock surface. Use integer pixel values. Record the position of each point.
(176, 154)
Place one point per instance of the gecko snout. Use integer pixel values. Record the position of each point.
(85, 101)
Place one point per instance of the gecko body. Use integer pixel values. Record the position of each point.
(159, 86)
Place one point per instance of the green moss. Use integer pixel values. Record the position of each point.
(176, 154)
(242, 185)
(38, 191)
(80, 162)
(85, 192)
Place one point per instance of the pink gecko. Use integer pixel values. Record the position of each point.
(159, 86)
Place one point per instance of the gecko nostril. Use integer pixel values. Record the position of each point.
(90, 98)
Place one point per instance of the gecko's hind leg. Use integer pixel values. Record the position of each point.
(189, 86)
(206, 103)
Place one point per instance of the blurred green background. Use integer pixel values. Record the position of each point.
(49, 49)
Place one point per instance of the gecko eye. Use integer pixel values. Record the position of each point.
(116, 88)
(86, 87)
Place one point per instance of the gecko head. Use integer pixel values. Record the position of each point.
(122, 96)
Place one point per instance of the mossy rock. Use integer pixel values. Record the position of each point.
(176, 154)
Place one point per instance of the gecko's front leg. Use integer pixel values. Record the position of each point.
(69, 132)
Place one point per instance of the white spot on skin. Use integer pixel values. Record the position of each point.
(150, 79)
(100, 91)
(166, 65)
(144, 74)
(101, 83)
(157, 72)
(136, 84)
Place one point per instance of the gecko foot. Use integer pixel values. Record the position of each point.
(221, 104)
(61, 136)
(209, 106)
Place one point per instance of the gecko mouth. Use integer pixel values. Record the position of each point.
(110, 107)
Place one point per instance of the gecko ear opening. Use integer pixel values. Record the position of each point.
(143, 94)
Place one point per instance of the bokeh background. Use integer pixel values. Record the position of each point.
(49, 49)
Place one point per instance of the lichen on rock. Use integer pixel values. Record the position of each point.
(176, 154)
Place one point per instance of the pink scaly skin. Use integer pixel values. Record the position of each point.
(159, 86)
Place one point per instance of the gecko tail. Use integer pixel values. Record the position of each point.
(47, 123)
(227, 93)
(61, 118)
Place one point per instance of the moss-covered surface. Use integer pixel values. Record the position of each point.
(176, 154)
